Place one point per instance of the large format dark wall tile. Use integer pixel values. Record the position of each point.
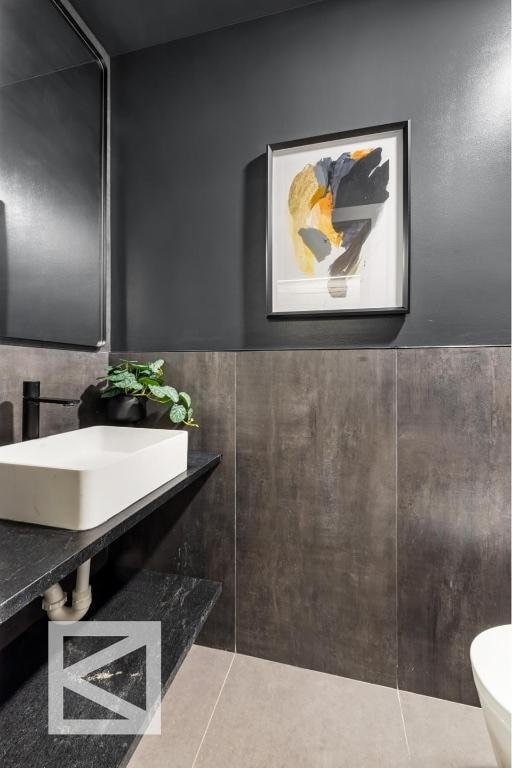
(316, 507)
(62, 373)
(316, 510)
(453, 512)
(194, 535)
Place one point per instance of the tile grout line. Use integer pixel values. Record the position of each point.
(403, 723)
(235, 497)
(396, 519)
(213, 712)
(396, 559)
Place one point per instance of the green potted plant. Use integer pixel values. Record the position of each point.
(130, 384)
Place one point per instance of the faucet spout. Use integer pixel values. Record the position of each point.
(31, 401)
(57, 400)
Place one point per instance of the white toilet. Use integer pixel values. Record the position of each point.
(491, 659)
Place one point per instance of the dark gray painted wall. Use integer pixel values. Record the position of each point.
(191, 120)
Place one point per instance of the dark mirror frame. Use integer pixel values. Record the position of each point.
(104, 181)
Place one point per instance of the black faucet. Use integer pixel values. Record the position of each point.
(31, 400)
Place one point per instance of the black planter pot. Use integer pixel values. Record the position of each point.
(124, 409)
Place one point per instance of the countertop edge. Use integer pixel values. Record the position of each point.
(82, 545)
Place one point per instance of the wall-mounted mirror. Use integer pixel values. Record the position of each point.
(52, 171)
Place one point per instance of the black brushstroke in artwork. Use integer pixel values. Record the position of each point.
(354, 235)
(352, 182)
(365, 183)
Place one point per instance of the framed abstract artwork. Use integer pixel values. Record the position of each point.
(338, 223)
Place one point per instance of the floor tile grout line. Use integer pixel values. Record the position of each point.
(396, 560)
(403, 723)
(212, 712)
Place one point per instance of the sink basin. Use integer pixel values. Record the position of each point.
(77, 480)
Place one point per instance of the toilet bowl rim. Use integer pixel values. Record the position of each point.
(490, 682)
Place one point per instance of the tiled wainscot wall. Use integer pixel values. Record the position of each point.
(62, 373)
(360, 520)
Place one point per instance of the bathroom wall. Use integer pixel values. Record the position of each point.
(191, 120)
(62, 373)
(360, 519)
(367, 493)
(316, 522)
(453, 511)
(195, 533)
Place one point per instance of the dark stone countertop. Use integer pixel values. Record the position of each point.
(182, 605)
(33, 557)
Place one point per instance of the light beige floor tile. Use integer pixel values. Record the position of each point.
(442, 734)
(186, 709)
(275, 716)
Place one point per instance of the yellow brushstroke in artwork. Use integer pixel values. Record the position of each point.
(320, 192)
(322, 219)
(303, 190)
(357, 154)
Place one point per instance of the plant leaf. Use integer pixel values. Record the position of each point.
(149, 381)
(156, 366)
(190, 413)
(164, 393)
(178, 413)
(126, 381)
(120, 375)
(185, 398)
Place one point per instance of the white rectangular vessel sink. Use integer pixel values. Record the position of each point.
(77, 480)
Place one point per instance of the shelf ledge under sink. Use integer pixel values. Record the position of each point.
(34, 557)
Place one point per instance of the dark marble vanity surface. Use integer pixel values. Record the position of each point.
(181, 604)
(34, 557)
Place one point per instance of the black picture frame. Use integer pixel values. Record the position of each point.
(405, 127)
